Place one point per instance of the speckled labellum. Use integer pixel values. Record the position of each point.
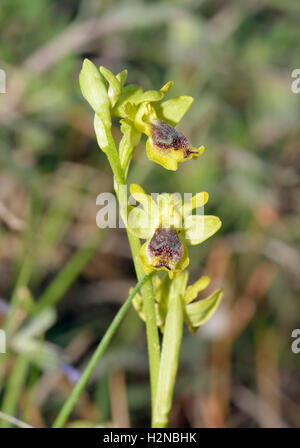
(168, 146)
(168, 138)
(164, 249)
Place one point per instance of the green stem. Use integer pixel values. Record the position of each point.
(147, 289)
(169, 362)
(149, 311)
(70, 403)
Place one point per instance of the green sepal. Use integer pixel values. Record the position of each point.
(115, 87)
(122, 76)
(151, 96)
(174, 109)
(129, 93)
(199, 228)
(197, 313)
(137, 303)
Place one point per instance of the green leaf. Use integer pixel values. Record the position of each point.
(169, 362)
(198, 313)
(174, 109)
(94, 90)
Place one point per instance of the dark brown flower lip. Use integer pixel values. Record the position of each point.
(188, 152)
(166, 137)
(162, 265)
(166, 246)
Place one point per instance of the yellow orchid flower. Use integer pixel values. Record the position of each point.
(166, 145)
(168, 226)
(143, 112)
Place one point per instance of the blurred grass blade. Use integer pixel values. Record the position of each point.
(71, 401)
(68, 274)
(14, 388)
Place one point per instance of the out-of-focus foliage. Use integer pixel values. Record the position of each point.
(235, 58)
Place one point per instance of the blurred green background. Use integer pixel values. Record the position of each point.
(235, 58)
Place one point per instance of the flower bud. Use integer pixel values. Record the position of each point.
(94, 91)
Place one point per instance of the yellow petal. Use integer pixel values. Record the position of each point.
(167, 87)
(145, 113)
